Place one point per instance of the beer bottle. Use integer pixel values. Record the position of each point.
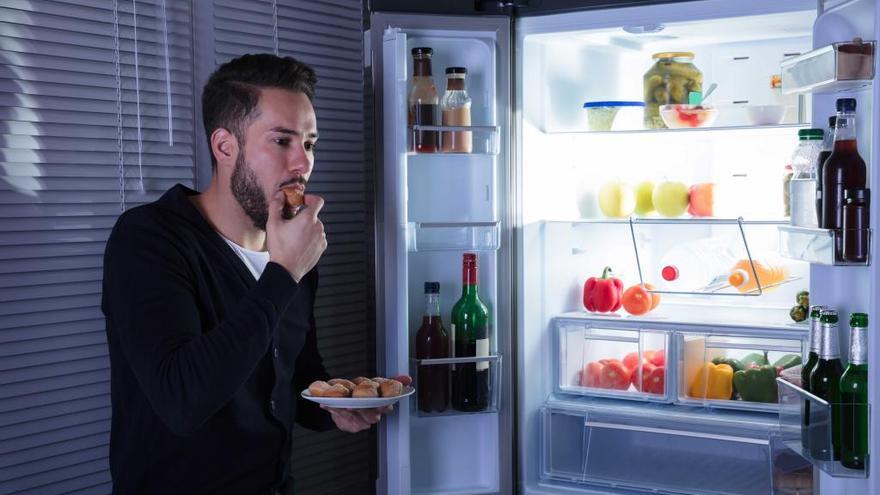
(432, 342)
(825, 384)
(854, 397)
(812, 359)
(470, 327)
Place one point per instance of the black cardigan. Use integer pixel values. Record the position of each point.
(206, 363)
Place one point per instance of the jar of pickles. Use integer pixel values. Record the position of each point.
(669, 81)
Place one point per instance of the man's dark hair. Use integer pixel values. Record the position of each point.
(233, 91)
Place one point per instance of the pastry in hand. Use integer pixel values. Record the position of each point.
(390, 388)
(293, 200)
(342, 381)
(337, 390)
(365, 390)
(318, 387)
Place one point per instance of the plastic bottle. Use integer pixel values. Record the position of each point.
(803, 181)
(771, 271)
(698, 265)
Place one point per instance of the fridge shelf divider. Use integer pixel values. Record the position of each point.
(679, 221)
(453, 236)
(495, 363)
(817, 246)
(837, 67)
(794, 404)
(730, 128)
(484, 138)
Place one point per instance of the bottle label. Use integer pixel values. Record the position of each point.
(858, 351)
(830, 349)
(815, 334)
(482, 350)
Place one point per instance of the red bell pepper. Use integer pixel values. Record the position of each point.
(603, 295)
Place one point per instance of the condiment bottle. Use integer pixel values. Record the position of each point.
(456, 108)
(855, 225)
(423, 102)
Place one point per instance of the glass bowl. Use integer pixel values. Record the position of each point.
(688, 116)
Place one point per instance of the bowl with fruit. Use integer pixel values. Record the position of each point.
(688, 116)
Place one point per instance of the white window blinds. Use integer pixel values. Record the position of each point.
(91, 122)
(328, 35)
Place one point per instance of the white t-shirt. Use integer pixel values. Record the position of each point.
(255, 261)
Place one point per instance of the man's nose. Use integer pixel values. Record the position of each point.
(300, 160)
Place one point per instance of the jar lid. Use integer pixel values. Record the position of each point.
(810, 134)
(456, 70)
(422, 50)
(673, 55)
(846, 104)
(596, 104)
(859, 194)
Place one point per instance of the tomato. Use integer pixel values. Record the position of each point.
(615, 375)
(655, 380)
(591, 375)
(631, 360)
(636, 300)
(655, 298)
(658, 357)
(638, 379)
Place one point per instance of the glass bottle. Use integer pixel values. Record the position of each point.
(802, 195)
(844, 169)
(827, 146)
(470, 327)
(432, 342)
(825, 384)
(456, 107)
(854, 397)
(855, 225)
(423, 102)
(807, 368)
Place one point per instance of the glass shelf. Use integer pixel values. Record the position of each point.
(676, 221)
(731, 128)
(425, 368)
(698, 317)
(833, 68)
(818, 246)
(453, 236)
(484, 139)
(802, 413)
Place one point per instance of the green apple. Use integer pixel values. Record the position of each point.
(616, 199)
(644, 199)
(671, 198)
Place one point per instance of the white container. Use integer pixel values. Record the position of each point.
(765, 114)
(603, 115)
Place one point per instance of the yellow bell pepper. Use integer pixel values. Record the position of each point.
(713, 381)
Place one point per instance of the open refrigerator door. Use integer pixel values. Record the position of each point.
(671, 387)
(443, 199)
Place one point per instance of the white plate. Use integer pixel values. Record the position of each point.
(357, 402)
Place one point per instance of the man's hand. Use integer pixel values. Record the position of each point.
(355, 420)
(296, 244)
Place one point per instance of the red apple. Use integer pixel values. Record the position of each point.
(702, 200)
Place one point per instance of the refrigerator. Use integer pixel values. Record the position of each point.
(545, 202)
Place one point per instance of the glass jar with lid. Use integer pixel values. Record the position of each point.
(671, 80)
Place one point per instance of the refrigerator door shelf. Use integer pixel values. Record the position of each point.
(609, 448)
(448, 365)
(833, 68)
(820, 246)
(451, 188)
(440, 236)
(794, 405)
(484, 139)
(701, 318)
(705, 381)
(591, 360)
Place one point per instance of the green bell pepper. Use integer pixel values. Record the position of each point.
(787, 361)
(756, 383)
(755, 358)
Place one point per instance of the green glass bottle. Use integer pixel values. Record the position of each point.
(470, 328)
(812, 359)
(854, 397)
(825, 384)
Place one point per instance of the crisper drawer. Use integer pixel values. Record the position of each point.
(656, 455)
(734, 371)
(623, 363)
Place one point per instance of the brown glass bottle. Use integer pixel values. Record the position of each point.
(827, 146)
(432, 342)
(423, 102)
(844, 169)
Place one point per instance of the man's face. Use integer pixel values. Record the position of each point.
(278, 149)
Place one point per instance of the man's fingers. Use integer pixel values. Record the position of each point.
(314, 203)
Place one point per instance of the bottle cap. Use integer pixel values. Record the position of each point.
(432, 287)
(858, 320)
(810, 134)
(846, 104)
(669, 273)
(456, 70)
(859, 194)
(469, 257)
(738, 278)
(660, 55)
(829, 312)
(422, 50)
(832, 122)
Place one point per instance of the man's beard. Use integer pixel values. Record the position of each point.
(247, 192)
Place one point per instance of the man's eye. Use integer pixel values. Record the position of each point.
(311, 147)
(282, 141)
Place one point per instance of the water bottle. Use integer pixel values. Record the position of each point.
(698, 266)
(803, 183)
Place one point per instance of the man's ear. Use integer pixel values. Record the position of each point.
(224, 146)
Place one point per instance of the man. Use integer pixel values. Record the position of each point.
(209, 301)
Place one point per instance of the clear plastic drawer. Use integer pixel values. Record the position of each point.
(612, 362)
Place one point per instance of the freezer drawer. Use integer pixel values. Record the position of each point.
(604, 362)
(674, 456)
(716, 370)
